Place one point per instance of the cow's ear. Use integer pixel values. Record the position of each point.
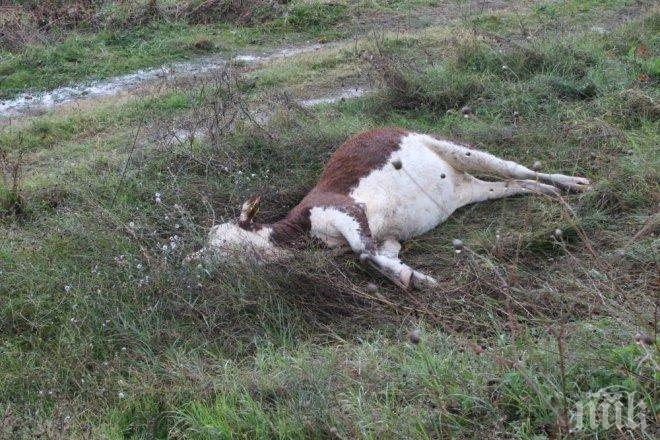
(249, 210)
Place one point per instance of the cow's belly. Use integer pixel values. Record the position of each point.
(410, 201)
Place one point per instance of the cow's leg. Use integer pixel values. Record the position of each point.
(475, 161)
(350, 222)
(475, 190)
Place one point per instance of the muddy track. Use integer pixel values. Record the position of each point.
(29, 104)
(35, 104)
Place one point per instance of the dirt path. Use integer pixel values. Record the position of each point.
(35, 104)
(29, 104)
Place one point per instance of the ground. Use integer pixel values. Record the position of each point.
(105, 334)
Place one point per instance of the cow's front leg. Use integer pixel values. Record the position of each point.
(398, 272)
(349, 222)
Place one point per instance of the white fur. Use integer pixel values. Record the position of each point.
(407, 202)
(229, 242)
(335, 228)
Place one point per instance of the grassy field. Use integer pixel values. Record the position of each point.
(45, 46)
(105, 335)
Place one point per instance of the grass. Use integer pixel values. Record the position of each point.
(106, 335)
(118, 45)
(121, 37)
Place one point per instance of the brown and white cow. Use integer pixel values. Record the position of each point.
(378, 189)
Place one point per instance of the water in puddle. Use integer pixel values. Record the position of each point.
(337, 97)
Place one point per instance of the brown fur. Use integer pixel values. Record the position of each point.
(357, 157)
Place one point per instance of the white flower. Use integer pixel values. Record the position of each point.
(165, 248)
(131, 225)
(67, 288)
(121, 395)
(139, 266)
(177, 226)
(158, 200)
(144, 281)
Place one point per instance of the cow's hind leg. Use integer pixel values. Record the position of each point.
(476, 190)
(475, 161)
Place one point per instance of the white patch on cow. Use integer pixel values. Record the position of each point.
(335, 228)
(412, 200)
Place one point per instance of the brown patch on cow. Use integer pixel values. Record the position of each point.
(297, 222)
(357, 157)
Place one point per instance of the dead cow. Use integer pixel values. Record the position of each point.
(381, 188)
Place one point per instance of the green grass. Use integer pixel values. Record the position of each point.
(126, 38)
(114, 49)
(105, 334)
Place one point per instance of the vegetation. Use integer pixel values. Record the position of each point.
(46, 44)
(106, 335)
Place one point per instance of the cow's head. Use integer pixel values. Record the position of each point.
(241, 240)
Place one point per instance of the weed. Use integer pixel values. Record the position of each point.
(11, 200)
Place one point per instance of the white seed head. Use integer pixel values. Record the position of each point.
(458, 245)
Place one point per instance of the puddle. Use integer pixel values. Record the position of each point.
(342, 95)
(27, 103)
